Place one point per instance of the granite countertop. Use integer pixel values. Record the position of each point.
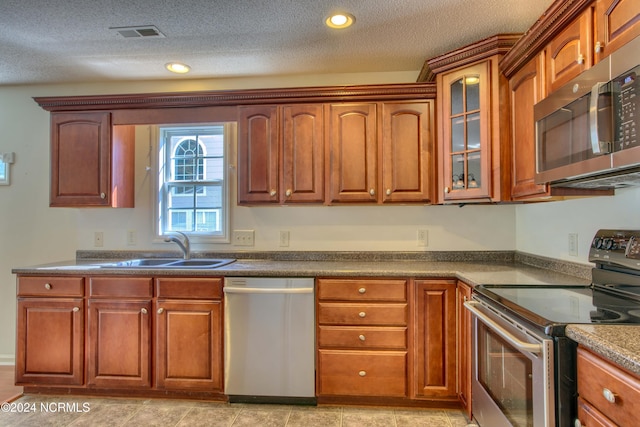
(617, 343)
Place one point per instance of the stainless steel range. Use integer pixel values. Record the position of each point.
(524, 370)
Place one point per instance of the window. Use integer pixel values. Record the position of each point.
(192, 182)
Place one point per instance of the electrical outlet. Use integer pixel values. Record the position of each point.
(284, 238)
(132, 239)
(573, 244)
(243, 237)
(423, 237)
(98, 239)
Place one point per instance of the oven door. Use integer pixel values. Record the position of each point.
(512, 382)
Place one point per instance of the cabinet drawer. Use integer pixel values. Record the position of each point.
(595, 375)
(362, 290)
(362, 373)
(363, 337)
(128, 287)
(191, 288)
(362, 314)
(51, 286)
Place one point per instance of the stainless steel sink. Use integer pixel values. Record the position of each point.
(172, 263)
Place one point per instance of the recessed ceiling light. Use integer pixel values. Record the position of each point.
(340, 20)
(177, 67)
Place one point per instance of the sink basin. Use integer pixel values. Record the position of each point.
(172, 263)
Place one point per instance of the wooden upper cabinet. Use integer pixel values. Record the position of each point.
(91, 162)
(302, 153)
(525, 88)
(617, 22)
(353, 153)
(258, 154)
(406, 151)
(570, 52)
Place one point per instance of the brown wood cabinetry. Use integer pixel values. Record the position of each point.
(362, 337)
(91, 161)
(119, 332)
(608, 393)
(570, 52)
(281, 154)
(50, 331)
(188, 334)
(617, 22)
(463, 293)
(435, 346)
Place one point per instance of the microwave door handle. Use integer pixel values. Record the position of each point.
(519, 344)
(597, 147)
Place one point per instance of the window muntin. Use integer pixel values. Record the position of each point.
(192, 190)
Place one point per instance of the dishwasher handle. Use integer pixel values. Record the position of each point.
(236, 290)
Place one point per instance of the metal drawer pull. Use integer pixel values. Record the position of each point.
(522, 345)
(160, 310)
(76, 309)
(609, 395)
(362, 373)
(47, 285)
(143, 311)
(362, 290)
(362, 314)
(362, 337)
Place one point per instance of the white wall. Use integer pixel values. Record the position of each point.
(32, 233)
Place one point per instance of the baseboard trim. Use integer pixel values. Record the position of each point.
(7, 359)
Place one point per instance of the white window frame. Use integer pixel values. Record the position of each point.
(159, 160)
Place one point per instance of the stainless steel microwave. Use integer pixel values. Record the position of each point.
(587, 131)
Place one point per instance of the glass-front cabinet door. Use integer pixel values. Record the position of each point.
(466, 151)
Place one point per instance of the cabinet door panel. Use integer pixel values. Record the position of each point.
(569, 53)
(258, 155)
(189, 345)
(406, 138)
(303, 153)
(119, 343)
(80, 159)
(353, 153)
(50, 345)
(436, 338)
(617, 22)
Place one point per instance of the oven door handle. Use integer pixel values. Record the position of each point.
(519, 344)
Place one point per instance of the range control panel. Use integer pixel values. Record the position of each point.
(616, 247)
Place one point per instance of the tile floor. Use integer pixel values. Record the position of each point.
(85, 411)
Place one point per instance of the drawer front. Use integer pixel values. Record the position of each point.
(362, 314)
(362, 373)
(190, 288)
(596, 376)
(127, 287)
(51, 286)
(362, 290)
(366, 337)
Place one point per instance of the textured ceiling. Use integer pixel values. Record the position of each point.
(47, 41)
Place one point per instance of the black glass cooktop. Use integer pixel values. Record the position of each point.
(553, 307)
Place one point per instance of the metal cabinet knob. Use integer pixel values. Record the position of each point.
(47, 285)
(609, 395)
(288, 193)
(598, 47)
(103, 196)
(272, 193)
(580, 59)
(76, 309)
(144, 311)
(388, 191)
(362, 314)
(160, 310)
(362, 337)
(362, 290)
(447, 190)
(372, 192)
(362, 373)
(577, 423)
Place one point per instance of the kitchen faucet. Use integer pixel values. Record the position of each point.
(183, 243)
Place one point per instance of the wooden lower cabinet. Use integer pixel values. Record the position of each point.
(464, 354)
(435, 345)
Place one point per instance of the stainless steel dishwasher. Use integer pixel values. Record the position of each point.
(269, 337)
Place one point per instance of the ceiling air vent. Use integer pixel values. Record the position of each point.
(146, 31)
